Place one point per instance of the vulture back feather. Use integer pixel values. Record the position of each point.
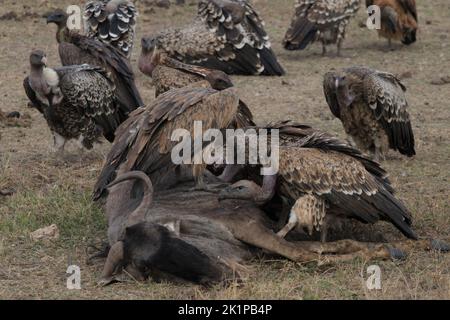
(113, 22)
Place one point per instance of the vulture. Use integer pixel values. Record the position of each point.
(323, 178)
(76, 49)
(168, 73)
(399, 20)
(143, 142)
(77, 101)
(320, 20)
(373, 109)
(226, 35)
(112, 22)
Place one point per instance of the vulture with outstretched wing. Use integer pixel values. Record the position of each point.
(76, 49)
(226, 35)
(323, 178)
(320, 20)
(373, 109)
(144, 142)
(112, 22)
(77, 102)
(399, 20)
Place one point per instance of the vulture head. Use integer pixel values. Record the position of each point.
(218, 80)
(38, 59)
(57, 17)
(241, 190)
(150, 55)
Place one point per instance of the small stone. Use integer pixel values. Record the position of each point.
(47, 233)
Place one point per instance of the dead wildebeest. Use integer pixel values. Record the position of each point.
(194, 236)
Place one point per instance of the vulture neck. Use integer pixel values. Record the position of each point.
(344, 96)
(267, 191)
(62, 35)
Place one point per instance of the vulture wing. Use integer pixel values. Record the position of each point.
(410, 7)
(112, 22)
(32, 96)
(344, 182)
(84, 50)
(144, 143)
(91, 91)
(312, 16)
(385, 94)
(246, 48)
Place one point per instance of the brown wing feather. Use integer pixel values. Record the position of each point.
(143, 142)
(385, 95)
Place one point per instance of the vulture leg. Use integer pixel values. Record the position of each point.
(114, 260)
(292, 223)
(324, 49)
(58, 143)
(339, 47)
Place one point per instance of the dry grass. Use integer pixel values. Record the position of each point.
(52, 190)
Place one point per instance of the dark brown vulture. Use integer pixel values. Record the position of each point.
(399, 20)
(373, 109)
(320, 20)
(144, 143)
(168, 74)
(77, 102)
(76, 49)
(113, 22)
(226, 35)
(324, 178)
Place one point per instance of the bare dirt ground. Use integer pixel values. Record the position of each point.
(53, 190)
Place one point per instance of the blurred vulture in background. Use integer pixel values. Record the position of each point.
(322, 178)
(399, 20)
(112, 22)
(77, 101)
(226, 35)
(143, 142)
(76, 49)
(373, 109)
(320, 20)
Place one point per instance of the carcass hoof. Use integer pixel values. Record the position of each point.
(106, 281)
(397, 254)
(440, 246)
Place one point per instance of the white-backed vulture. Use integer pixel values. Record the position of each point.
(77, 102)
(373, 109)
(320, 20)
(76, 49)
(323, 178)
(143, 142)
(399, 20)
(113, 22)
(226, 35)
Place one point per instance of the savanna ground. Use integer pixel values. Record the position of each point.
(54, 190)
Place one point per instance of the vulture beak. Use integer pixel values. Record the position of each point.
(53, 18)
(44, 60)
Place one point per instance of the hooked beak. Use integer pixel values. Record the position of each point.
(44, 60)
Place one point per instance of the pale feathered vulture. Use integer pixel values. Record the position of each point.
(373, 109)
(399, 20)
(226, 35)
(168, 74)
(320, 20)
(144, 143)
(77, 102)
(76, 49)
(113, 22)
(324, 178)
